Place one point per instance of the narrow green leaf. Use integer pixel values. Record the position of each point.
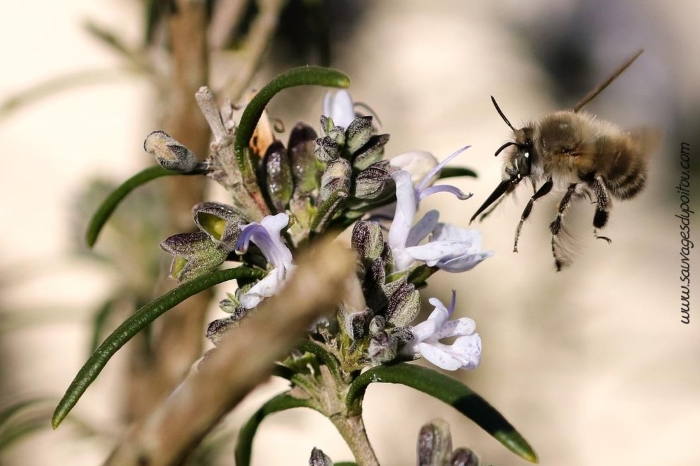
(451, 172)
(100, 217)
(99, 319)
(450, 391)
(302, 76)
(327, 210)
(23, 418)
(281, 402)
(133, 325)
(327, 358)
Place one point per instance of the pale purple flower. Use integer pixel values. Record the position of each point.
(463, 353)
(418, 163)
(450, 248)
(339, 107)
(266, 235)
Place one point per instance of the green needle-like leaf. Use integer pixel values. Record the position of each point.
(23, 418)
(451, 172)
(302, 76)
(133, 325)
(281, 402)
(99, 319)
(108, 205)
(326, 358)
(452, 392)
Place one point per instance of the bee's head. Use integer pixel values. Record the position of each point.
(518, 166)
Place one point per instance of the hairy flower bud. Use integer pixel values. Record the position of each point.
(327, 150)
(318, 458)
(464, 457)
(371, 153)
(404, 305)
(278, 175)
(368, 241)
(357, 324)
(301, 145)
(169, 153)
(333, 132)
(195, 254)
(220, 327)
(336, 178)
(434, 443)
(358, 133)
(220, 221)
(382, 348)
(372, 182)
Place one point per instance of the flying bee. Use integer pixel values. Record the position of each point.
(573, 149)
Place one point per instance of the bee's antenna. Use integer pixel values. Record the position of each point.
(498, 109)
(591, 95)
(507, 144)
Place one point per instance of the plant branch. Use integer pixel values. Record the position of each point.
(173, 430)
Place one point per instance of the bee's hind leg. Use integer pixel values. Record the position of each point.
(602, 211)
(544, 189)
(560, 259)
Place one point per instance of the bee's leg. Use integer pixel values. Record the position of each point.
(544, 189)
(555, 227)
(602, 210)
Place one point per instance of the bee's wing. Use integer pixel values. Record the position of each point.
(647, 140)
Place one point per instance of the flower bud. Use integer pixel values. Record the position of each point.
(318, 458)
(371, 153)
(169, 153)
(377, 324)
(220, 327)
(195, 254)
(278, 175)
(464, 457)
(336, 178)
(327, 150)
(382, 348)
(371, 183)
(358, 133)
(301, 145)
(220, 221)
(404, 305)
(434, 443)
(367, 240)
(333, 132)
(357, 324)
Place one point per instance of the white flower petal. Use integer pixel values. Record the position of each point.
(405, 210)
(339, 107)
(424, 330)
(433, 252)
(449, 232)
(456, 328)
(418, 163)
(425, 182)
(464, 353)
(469, 349)
(439, 357)
(423, 228)
(463, 263)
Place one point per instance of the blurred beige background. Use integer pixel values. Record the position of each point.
(592, 365)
